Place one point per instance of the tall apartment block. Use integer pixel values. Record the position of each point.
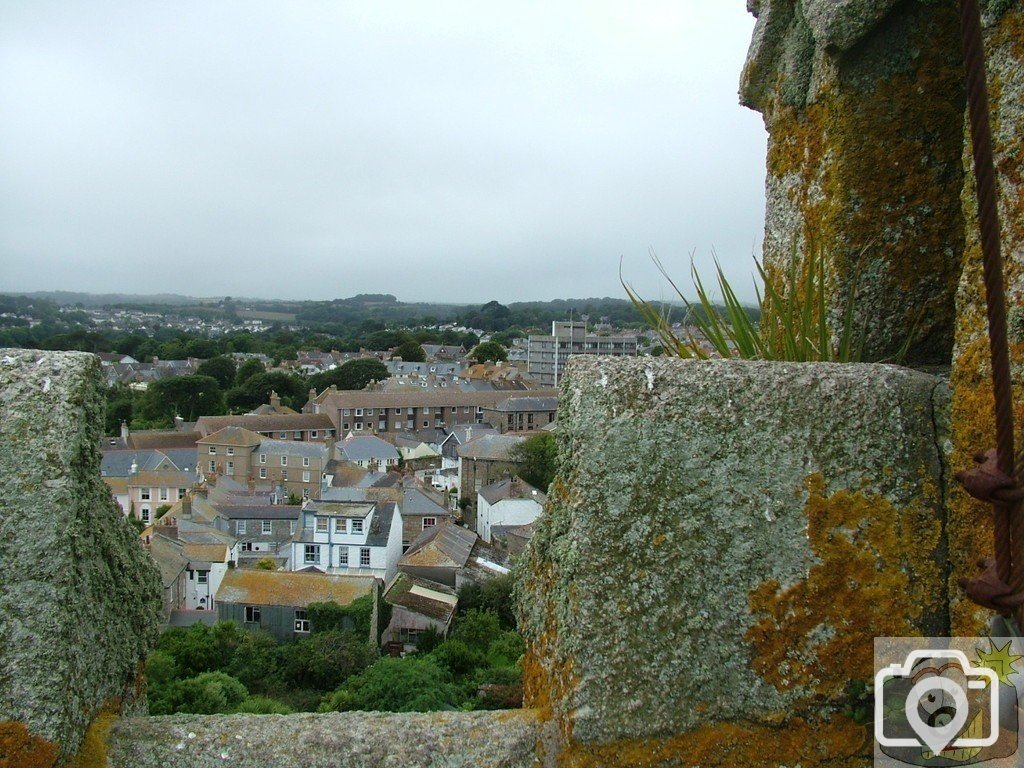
(546, 355)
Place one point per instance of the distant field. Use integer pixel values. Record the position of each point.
(274, 317)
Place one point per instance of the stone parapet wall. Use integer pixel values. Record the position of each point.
(79, 597)
(723, 541)
(349, 739)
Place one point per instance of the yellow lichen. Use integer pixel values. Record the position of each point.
(875, 576)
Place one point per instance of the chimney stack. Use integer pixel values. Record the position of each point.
(275, 399)
(186, 506)
(179, 423)
(124, 430)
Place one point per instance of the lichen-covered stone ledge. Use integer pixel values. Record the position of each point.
(722, 542)
(79, 598)
(351, 739)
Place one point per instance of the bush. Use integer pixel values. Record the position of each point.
(477, 629)
(326, 659)
(457, 657)
(261, 705)
(210, 693)
(410, 684)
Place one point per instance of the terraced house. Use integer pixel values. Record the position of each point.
(355, 538)
(244, 456)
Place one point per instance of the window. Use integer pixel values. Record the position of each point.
(398, 425)
(247, 546)
(313, 434)
(213, 466)
(282, 435)
(240, 526)
(231, 451)
(164, 494)
(305, 493)
(213, 450)
(231, 468)
(284, 461)
(344, 426)
(340, 525)
(321, 525)
(408, 636)
(359, 426)
(252, 614)
(144, 494)
(263, 473)
(343, 557)
(203, 577)
(359, 411)
(346, 412)
(145, 514)
(429, 522)
(291, 528)
(305, 461)
(364, 557)
(369, 411)
(263, 458)
(357, 526)
(305, 477)
(426, 423)
(465, 410)
(426, 411)
(181, 493)
(301, 621)
(266, 527)
(411, 411)
(312, 553)
(284, 474)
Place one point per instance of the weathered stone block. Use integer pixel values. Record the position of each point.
(971, 380)
(863, 103)
(350, 739)
(722, 542)
(79, 597)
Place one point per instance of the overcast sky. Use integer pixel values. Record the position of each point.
(437, 151)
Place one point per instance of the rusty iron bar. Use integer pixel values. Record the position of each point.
(1009, 527)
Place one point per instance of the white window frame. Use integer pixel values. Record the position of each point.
(340, 525)
(231, 451)
(165, 494)
(311, 553)
(145, 515)
(282, 435)
(305, 477)
(322, 524)
(213, 450)
(263, 473)
(301, 621)
(240, 527)
(359, 411)
(284, 461)
(263, 458)
(213, 466)
(357, 526)
(266, 527)
(252, 614)
(230, 468)
(305, 461)
(343, 557)
(313, 434)
(202, 577)
(145, 494)
(364, 557)
(429, 522)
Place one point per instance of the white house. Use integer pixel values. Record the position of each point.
(369, 452)
(356, 538)
(207, 564)
(507, 503)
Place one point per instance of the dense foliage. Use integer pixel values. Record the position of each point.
(539, 459)
(225, 669)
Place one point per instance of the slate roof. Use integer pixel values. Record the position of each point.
(493, 447)
(517, 404)
(421, 596)
(511, 488)
(166, 478)
(272, 422)
(293, 448)
(205, 553)
(152, 439)
(233, 436)
(380, 526)
(417, 503)
(366, 448)
(260, 512)
(442, 398)
(443, 546)
(291, 589)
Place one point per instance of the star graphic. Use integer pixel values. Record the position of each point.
(999, 660)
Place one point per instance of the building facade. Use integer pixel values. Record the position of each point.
(546, 355)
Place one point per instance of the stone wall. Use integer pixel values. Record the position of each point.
(863, 102)
(722, 542)
(79, 597)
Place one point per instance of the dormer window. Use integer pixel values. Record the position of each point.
(357, 526)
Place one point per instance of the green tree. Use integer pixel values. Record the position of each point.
(409, 684)
(326, 659)
(221, 368)
(187, 396)
(207, 694)
(477, 629)
(255, 391)
(489, 351)
(258, 663)
(251, 367)
(355, 374)
(493, 595)
(410, 352)
(120, 407)
(538, 457)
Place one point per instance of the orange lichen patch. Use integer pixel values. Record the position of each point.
(836, 742)
(817, 633)
(19, 748)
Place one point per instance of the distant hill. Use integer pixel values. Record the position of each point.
(71, 298)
